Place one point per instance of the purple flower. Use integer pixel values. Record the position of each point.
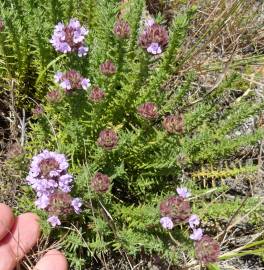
(194, 221)
(183, 192)
(197, 234)
(154, 48)
(71, 80)
(85, 83)
(166, 223)
(54, 221)
(48, 171)
(42, 202)
(76, 204)
(70, 38)
(82, 51)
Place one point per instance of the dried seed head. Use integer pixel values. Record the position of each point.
(97, 94)
(177, 208)
(148, 110)
(173, 124)
(207, 250)
(108, 68)
(100, 183)
(122, 29)
(108, 139)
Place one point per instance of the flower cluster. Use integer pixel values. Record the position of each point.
(37, 111)
(177, 210)
(70, 38)
(154, 38)
(49, 178)
(71, 80)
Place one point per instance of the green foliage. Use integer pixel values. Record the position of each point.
(147, 164)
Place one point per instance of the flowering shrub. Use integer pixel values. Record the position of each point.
(124, 125)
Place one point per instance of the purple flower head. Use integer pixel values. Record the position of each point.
(173, 124)
(76, 204)
(194, 221)
(197, 234)
(54, 96)
(100, 183)
(176, 208)
(71, 80)
(154, 48)
(148, 110)
(97, 94)
(183, 192)
(108, 139)
(122, 29)
(207, 250)
(108, 68)
(48, 171)
(70, 38)
(54, 221)
(154, 38)
(166, 223)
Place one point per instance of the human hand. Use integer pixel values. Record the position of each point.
(18, 235)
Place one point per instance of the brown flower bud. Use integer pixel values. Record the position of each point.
(100, 183)
(97, 94)
(122, 29)
(37, 111)
(54, 96)
(207, 250)
(107, 139)
(2, 25)
(148, 110)
(60, 204)
(173, 123)
(108, 68)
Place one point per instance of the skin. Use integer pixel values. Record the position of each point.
(18, 235)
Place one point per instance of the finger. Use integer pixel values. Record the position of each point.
(24, 234)
(54, 260)
(6, 220)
